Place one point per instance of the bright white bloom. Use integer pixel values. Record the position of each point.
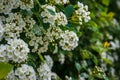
(49, 61)
(14, 25)
(26, 4)
(44, 72)
(17, 50)
(108, 56)
(49, 14)
(10, 76)
(68, 78)
(56, 49)
(53, 33)
(61, 19)
(6, 6)
(69, 40)
(1, 31)
(61, 1)
(30, 22)
(25, 72)
(82, 13)
(115, 44)
(61, 58)
(3, 57)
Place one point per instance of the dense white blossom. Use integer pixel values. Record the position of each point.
(49, 17)
(115, 44)
(16, 50)
(1, 31)
(49, 61)
(44, 72)
(10, 76)
(61, 19)
(25, 72)
(53, 33)
(60, 1)
(69, 40)
(3, 53)
(6, 6)
(26, 4)
(14, 25)
(82, 13)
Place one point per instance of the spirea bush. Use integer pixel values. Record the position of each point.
(58, 39)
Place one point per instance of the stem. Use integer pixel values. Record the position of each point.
(41, 57)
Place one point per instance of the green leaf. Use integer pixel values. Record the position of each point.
(69, 10)
(105, 2)
(41, 57)
(107, 61)
(51, 12)
(78, 67)
(86, 54)
(26, 13)
(95, 60)
(36, 30)
(5, 68)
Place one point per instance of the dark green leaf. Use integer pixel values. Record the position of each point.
(69, 10)
(51, 12)
(77, 65)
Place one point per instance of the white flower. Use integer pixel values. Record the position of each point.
(49, 61)
(61, 19)
(82, 13)
(25, 72)
(61, 1)
(6, 6)
(69, 40)
(3, 54)
(26, 4)
(10, 76)
(17, 50)
(61, 58)
(14, 25)
(44, 72)
(1, 31)
(115, 44)
(47, 16)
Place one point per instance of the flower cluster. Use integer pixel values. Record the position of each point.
(8, 5)
(26, 4)
(14, 25)
(29, 28)
(82, 13)
(1, 31)
(61, 19)
(60, 1)
(25, 72)
(44, 72)
(49, 14)
(16, 50)
(69, 40)
(44, 69)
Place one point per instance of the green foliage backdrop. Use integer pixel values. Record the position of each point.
(75, 45)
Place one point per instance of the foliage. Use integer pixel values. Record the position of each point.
(61, 39)
(4, 69)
